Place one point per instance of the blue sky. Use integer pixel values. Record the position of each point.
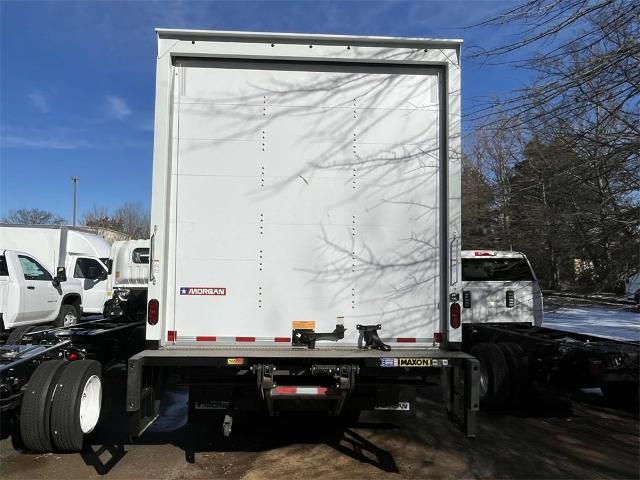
(77, 81)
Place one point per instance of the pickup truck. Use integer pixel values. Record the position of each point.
(30, 295)
(82, 253)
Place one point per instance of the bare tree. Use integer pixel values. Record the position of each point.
(98, 217)
(130, 218)
(33, 216)
(575, 176)
(477, 205)
(497, 151)
(133, 220)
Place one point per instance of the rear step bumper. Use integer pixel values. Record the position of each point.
(330, 374)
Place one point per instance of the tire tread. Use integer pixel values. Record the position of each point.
(35, 412)
(65, 427)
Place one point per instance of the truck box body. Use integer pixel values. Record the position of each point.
(304, 181)
(305, 199)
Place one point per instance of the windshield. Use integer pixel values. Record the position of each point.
(496, 270)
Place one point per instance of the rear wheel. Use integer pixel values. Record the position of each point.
(36, 406)
(518, 363)
(76, 406)
(494, 375)
(68, 316)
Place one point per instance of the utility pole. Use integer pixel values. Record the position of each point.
(75, 185)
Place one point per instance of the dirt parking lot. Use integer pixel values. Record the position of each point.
(552, 437)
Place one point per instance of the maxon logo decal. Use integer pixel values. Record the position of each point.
(408, 362)
(414, 362)
(203, 291)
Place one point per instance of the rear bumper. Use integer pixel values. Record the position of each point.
(262, 369)
(195, 355)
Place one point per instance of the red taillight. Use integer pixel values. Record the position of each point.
(171, 335)
(484, 254)
(454, 317)
(437, 337)
(153, 312)
(72, 356)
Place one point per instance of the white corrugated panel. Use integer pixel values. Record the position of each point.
(307, 195)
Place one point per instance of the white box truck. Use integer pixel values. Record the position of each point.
(80, 252)
(305, 251)
(305, 225)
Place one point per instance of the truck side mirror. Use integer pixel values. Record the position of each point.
(61, 274)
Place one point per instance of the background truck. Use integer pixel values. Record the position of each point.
(305, 225)
(81, 253)
(128, 278)
(500, 287)
(31, 295)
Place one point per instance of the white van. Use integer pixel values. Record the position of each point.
(499, 287)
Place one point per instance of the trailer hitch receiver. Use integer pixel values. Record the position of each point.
(369, 335)
(305, 337)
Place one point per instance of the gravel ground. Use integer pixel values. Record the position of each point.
(552, 437)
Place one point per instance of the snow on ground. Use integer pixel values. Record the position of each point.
(621, 323)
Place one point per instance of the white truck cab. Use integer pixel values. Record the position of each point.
(81, 252)
(128, 279)
(499, 286)
(31, 295)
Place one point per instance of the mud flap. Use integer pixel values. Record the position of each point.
(144, 387)
(460, 382)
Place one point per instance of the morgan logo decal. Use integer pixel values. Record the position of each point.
(203, 291)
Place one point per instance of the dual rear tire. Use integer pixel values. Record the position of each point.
(504, 374)
(61, 405)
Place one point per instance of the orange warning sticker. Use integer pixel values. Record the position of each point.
(303, 324)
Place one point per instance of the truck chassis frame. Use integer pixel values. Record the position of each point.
(104, 340)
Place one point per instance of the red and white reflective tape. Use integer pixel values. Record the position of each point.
(172, 336)
(286, 390)
(407, 340)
